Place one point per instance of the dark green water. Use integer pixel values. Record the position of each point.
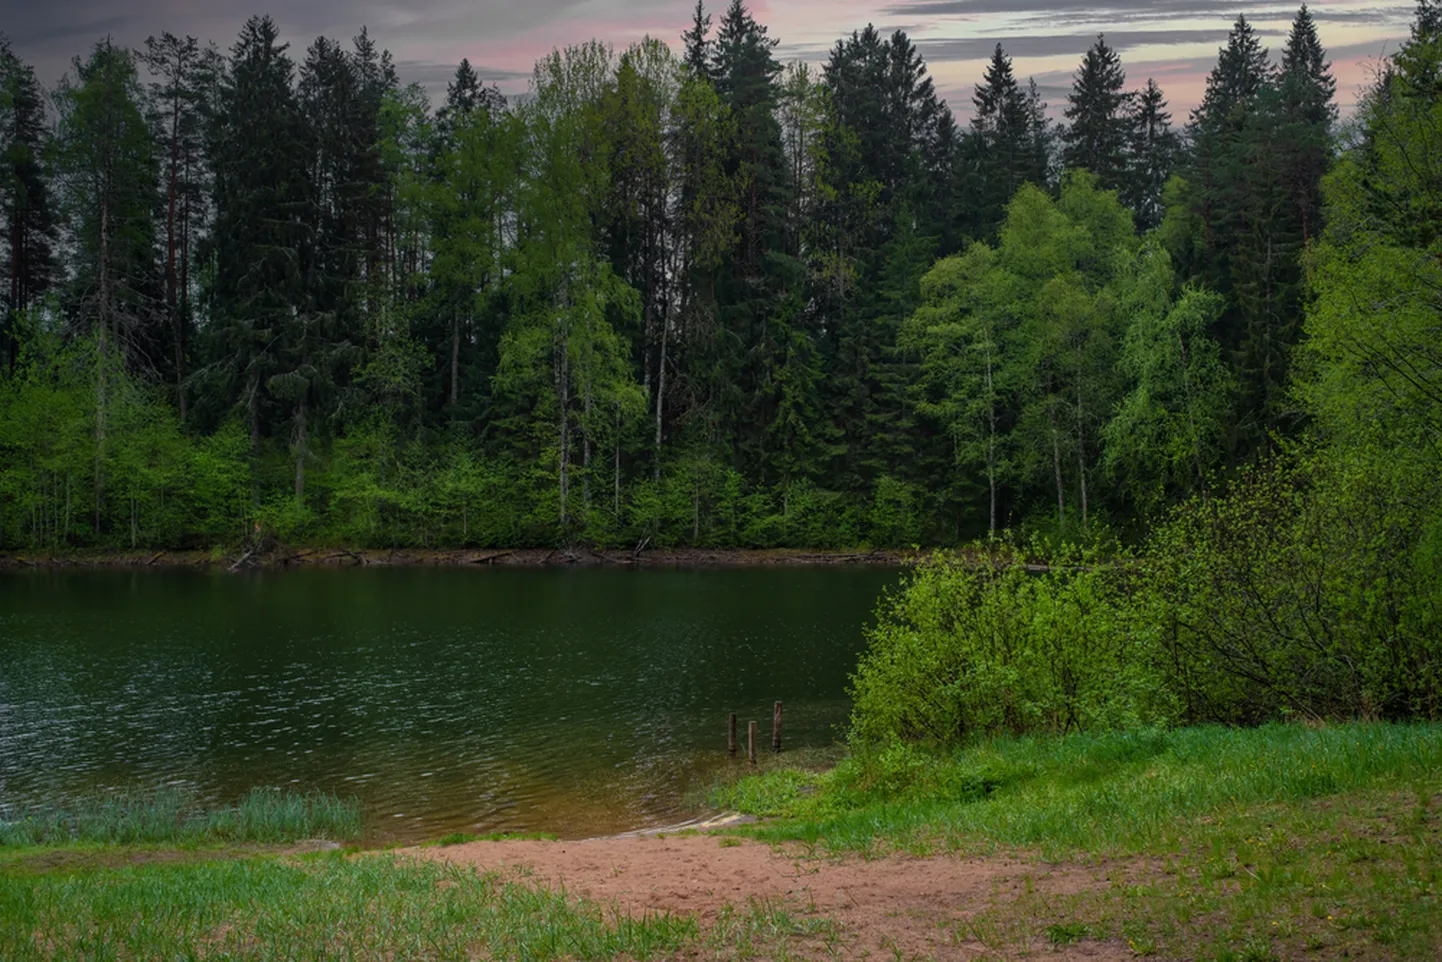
(576, 701)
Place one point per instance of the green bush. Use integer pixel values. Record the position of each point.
(972, 647)
(1310, 590)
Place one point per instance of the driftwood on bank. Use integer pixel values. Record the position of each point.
(240, 563)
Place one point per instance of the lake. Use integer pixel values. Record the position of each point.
(580, 702)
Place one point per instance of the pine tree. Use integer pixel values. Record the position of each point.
(1308, 114)
(1153, 153)
(182, 69)
(464, 95)
(1217, 170)
(25, 200)
(1098, 109)
(1241, 72)
(262, 202)
(884, 167)
(1009, 144)
(696, 49)
(106, 166)
(754, 275)
(1427, 22)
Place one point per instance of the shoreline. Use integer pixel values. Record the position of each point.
(332, 556)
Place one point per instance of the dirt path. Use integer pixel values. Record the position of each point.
(916, 907)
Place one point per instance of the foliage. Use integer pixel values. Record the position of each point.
(984, 645)
(683, 298)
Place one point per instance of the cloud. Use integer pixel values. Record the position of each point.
(977, 48)
(429, 37)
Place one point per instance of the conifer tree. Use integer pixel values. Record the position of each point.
(755, 273)
(25, 197)
(106, 165)
(697, 50)
(183, 71)
(1098, 111)
(1153, 153)
(1307, 116)
(1010, 143)
(261, 202)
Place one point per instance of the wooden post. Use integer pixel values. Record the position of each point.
(731, 735)
(751, 741)
(776, 728)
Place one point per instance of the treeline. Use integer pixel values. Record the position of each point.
(1310, 587)
(692, 297)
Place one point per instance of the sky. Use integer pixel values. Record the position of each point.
(1174, 41)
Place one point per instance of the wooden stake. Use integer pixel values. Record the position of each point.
(751, 741)
(776, 728)
(731, 735)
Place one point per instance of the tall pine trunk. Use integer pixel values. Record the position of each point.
(1081, 463)
(301, 441)
(991, 441)
(1056, 469)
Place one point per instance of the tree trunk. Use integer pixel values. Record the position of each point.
(616, 481)
(1056, 468)
(455, 361)
(184, 314)
(172, 284)
(991, 441)
(563, 396)
(300, 452)
(103, 348)
(661, 394)
(1081, 464)
(252, 413)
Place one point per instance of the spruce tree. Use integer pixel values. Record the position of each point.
(755, 272)
(1097, 138)
(106, 164)
(1010, 143)
(262, 205)
(1153, 152)
(465, 94)
(696, 48)
(25, 197)
(1308, 114)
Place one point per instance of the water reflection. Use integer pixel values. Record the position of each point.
(574, 701)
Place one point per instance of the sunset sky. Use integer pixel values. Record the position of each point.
(1174, 41)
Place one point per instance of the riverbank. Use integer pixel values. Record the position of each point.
(284, 556)
(1261, 845)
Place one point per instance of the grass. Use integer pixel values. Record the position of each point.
(1218, 845)
(330, 905)
(177, 817)
(1221, 844)
(461, 838)
(318, 907)
(1119, 793)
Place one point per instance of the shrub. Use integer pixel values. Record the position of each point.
(1310, 590)
(976, 647)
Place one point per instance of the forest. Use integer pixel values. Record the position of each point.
(699, 297)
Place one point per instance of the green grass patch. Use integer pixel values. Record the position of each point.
(367, 907)
(461, 838)
(1117, 793)
(177, 817)
(1217, 844)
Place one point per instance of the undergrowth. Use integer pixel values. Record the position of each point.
(175, 816)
